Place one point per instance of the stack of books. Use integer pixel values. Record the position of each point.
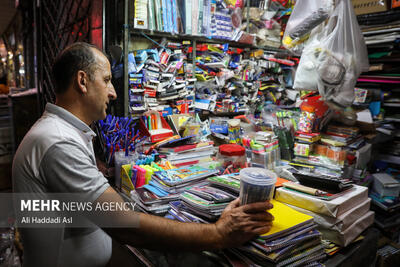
(293, 240)
(342, 135)
(229, 183)
(204, 202)
(190, 154)
(152, 201)
(165, 186)
(176, 180)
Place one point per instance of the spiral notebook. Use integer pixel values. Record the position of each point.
(286, 220)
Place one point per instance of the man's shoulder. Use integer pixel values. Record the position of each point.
(50, 129)
(46, 132)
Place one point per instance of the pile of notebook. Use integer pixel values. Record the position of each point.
(205, 202)
(151, 200)
(200, 204)
(165, 187)
(190, 154)
(341, 135)
(176, 180)
(292, 240)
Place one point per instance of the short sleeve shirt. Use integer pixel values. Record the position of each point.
(56, 156)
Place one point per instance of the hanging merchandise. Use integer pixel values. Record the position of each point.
(307, 15)
(333, 58)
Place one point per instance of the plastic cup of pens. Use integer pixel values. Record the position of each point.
(256, 185)
(120, 158)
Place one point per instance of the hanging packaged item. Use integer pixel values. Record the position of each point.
(306, 16)
(333, 58)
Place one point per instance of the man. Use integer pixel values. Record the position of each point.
(57, 155)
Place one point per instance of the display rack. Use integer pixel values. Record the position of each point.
(129, 32)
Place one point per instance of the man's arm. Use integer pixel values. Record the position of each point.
(67, 168)
(236, 226)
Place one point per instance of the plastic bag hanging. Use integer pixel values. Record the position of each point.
(307, 17)
(333, 59)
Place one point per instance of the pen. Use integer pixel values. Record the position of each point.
(149, 121)
(304, 189)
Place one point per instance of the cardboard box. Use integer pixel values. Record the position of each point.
(369, 6)
(385, 185)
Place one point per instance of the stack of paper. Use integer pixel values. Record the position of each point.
(341, 219)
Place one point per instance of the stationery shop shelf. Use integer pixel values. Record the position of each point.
(181, 37)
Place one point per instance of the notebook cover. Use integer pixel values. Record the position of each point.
(286, 219)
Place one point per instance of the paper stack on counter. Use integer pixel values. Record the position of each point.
(340, 220)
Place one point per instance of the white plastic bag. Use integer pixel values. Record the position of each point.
(333, 59)
(306, 18)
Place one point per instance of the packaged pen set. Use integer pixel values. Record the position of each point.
(155, 126)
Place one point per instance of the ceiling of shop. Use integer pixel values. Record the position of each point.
(7, 12)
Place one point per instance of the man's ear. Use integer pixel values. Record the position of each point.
(81, 80)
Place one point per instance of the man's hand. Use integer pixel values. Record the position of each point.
(239, 224)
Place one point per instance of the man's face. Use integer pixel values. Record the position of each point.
(100, 88)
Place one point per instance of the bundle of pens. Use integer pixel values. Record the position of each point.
(151, 122)
(155, 126)
(118, 134)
